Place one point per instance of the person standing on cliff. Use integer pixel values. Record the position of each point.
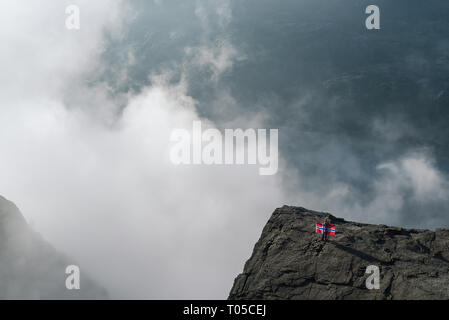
(325, 228)
(325, 223)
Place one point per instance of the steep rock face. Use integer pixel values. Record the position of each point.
(30, 268)
(291, 262)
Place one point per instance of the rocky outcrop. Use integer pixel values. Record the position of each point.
(291, 262)
(30, 268)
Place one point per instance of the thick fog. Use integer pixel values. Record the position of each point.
(98, 182)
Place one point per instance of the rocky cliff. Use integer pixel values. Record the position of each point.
(30, 268)
(291, 262)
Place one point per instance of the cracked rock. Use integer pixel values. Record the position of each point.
(291, 262)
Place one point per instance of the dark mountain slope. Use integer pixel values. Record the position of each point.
(30, 268)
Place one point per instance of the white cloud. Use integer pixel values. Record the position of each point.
(98, 184)
(218, 55)
(218, 58)
(209, 12)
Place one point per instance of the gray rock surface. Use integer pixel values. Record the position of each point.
(291, 262)
(30, 268)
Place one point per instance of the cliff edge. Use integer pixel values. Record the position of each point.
(290, 261)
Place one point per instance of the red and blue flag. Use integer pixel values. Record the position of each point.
(327, 227)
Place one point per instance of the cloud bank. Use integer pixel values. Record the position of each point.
(91, 171)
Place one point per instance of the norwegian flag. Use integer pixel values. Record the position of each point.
(330, 228)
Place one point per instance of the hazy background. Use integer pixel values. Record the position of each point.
(85, 120)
